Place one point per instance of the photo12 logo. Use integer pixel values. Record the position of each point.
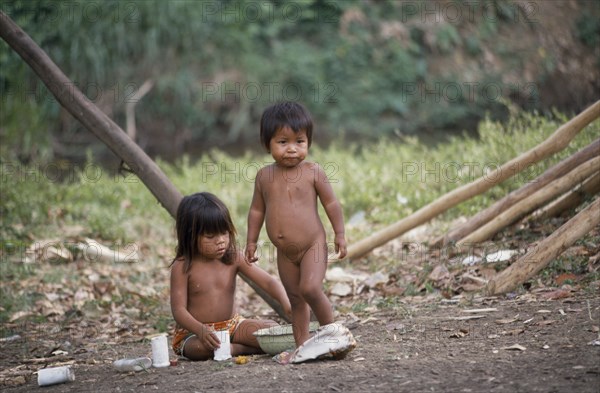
(268, 92)
(70, 11)
(460, 12)
(58, 251)
(59, 172)
(464, 172)
(117, 93)
(268, 11)
(471, 92)
(247, 171)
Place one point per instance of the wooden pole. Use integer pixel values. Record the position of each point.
(589, 188)
(555, 143)
(532, 202)
(558, 170)
(536, 259)
(72, 99)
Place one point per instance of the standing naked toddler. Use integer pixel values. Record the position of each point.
(285, 198)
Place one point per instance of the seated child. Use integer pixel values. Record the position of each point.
(203, 280)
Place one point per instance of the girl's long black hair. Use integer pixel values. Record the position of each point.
(198, 214)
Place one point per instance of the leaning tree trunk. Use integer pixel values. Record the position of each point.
(544, 252)
(72, 99)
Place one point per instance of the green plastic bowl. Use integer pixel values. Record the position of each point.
(276, 339)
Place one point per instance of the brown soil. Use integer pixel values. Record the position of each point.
(415, 346)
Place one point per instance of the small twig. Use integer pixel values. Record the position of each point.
(130, 107)
(466, 318)
(14, 373)
(47, 359)
(481, 310)
(123, 167)
(589, 310)
(478, 280)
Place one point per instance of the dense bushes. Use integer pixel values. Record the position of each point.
(364, 69)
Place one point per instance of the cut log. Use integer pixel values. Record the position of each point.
(555, 143)
(532, 202)
(571, 200)
(96, 121)
(553, 173)
(536, 259)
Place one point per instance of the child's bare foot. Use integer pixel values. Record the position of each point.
(283, 357)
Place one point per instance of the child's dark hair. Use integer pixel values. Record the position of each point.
(202, 214)
(288, 113)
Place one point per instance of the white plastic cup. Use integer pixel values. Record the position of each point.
(54, 375)
(224, 351)
(137, 364)
(160, 351)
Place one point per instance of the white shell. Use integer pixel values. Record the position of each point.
(329, 340)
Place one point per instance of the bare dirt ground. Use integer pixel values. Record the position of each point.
(528, 343)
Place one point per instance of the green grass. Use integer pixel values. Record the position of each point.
(387, 181)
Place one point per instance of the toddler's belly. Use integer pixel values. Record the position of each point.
(295, 239)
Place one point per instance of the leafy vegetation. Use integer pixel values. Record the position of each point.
(364, 70)
(385, 181)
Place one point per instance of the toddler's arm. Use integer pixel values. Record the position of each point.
(256, 217)
(332, 208)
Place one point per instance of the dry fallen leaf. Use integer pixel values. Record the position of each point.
(558, 294)
(20, 314)
(439, 273)
(458, 334)
(506, 321)
(560, 280)
(513, 332)
(515, 347)
(547, 322)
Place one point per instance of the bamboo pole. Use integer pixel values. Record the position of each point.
(555, 143)
(536, 259)
(532, 202)
(548, 176)
(96, 121)
(571, 200)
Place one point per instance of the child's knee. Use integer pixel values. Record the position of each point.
(311, 293)
(296, 299)
(247, 328)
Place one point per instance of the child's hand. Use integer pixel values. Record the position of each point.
(250, 251)
(208, 338)
(340, 246)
